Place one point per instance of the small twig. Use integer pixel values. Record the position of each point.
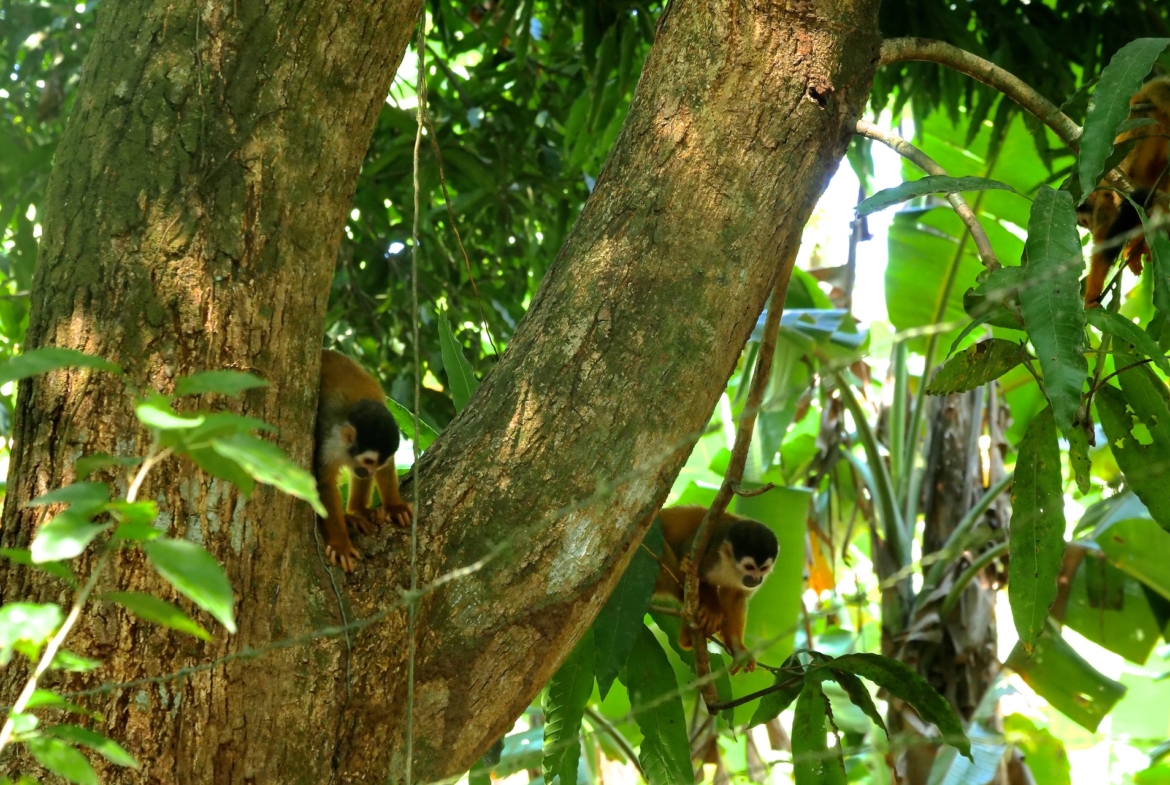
(663, 609)
(731, 704)
(748, 493)
(930, 166)
(600, 722)
(734, 475)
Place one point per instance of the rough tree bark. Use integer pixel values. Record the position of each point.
(218, 253)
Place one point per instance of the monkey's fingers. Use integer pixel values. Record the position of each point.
(360, 522)
(346, 556)
(399, 514)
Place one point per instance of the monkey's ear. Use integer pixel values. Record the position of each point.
(348, 434)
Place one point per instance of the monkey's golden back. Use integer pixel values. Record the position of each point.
(345, 382)
(1145, 164)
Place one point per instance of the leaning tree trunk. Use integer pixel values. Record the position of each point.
(217, 254)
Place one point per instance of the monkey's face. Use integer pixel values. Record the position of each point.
(366, 463)
(744, 573)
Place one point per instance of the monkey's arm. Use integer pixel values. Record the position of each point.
(734, 622)
(392, 505)
(338, 547)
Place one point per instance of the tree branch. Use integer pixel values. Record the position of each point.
(930, 166)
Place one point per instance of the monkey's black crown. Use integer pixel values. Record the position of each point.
(754, 539)
(376, 430)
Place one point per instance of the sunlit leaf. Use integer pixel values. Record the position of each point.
(657, 707)
(931, 184)
(268, 464)
(973, 367)
(813, 762)
(405, 420)
(1063, 678)
(26, 621)
(24, 556)
(1136, 419)
(85, 495)
(63, 760)
(223, 382)
(195, 574)
(1121, 328)
(1044, 753)
(64, 537)
(460, 377)
(155, 412)
(74, 663)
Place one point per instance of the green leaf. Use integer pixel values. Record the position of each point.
(671, 626)
(44, 699)
(460, 378)
(136, 531)
(95, 463)
(619, 623)
(976, 366)
(268, 464)
(1136, 420)
(24, 556)
(902, 682)
(1109, 607)
(931, 184)
(26, 621)
(63, 760)
(1140, 548)
(772, 704)
(134, 512)
(1118, 326)
(155, 412)
(196, 574)
(405, 419)
(1079, 460)
(657, 707)
(1037, 527)
(87, 495)
(40, 361)
(1044, 752)
(153, 609)
(1109, 105)
(107, 748)
(564, 707)
(223, 382)
(859, 695)
(1063, 678)
(210, 461)
(74, 663)
(813, 763)
(1050, 298)
(64, 537)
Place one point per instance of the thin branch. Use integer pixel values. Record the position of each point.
(599, 721)
(928, 165)
(734, 475)
(969, 574)
(748, 493)
(731, 704)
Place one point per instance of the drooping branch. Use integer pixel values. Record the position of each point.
(928, 165)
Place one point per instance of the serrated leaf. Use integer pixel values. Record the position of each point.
(564, 707)
(405, 419)
(1136, 421)
(223, 382)
(63, 760)
(902, 682)
(657, 707)
(98, 461)
(153, 609)
(50, 358)
(859, 696)
(195, 574)
(976, 366)
(1050, 298)
(813, 763)
(64, 537)
(1037, 527)
(210, 461)
(1121, 328)
(619, 623)
(1109, 105)
(460, 377)
(155, 412)
(24, 556)
(74, 663)
(107, 748)
(268, 464)
(772, 704)
(931, 184)
(26, 621)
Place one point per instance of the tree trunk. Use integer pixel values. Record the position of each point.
(743, 111)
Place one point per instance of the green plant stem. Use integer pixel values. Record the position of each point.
(79, 601)
(969, 574)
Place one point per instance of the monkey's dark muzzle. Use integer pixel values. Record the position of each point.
(361, 472)
(751, 582)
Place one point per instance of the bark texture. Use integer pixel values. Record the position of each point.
(218, 253)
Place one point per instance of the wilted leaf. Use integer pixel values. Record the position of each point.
(196, 574)
(158, 611)
(976, 366)
(1037, 527)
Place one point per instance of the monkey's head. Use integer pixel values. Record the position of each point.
(370, 436)
(746, 556)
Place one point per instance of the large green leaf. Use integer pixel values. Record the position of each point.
(267, 463)
(1121, 328)
(619, 622)
(564, 706)
(671, 626)
(82, 496)
(1050, 298)
(151, 608)
(931, 184)
(26, 621)
(902, 682)
(657, 708)
(1044, 752)
(1109, 607)
(39, 361)
(813, 762)
(773, 703)
(24, 556)
(1141, 548)
(1064, 679)
(196, 574)
(405, 419)
(108, 748)
(64, 537)
(223, 382)
(1109, 106)
(63, 760)
(984, 362)
(460, 377)
(156, 413)
(1037, 527)
(1136, 420)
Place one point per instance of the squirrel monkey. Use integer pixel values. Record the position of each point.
(739, 555)
(355, 431)
(1106, 213)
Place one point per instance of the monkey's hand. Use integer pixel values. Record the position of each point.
(398, 514)
(341, 553)
(708, 621)
(743, 661)
(361, 522)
